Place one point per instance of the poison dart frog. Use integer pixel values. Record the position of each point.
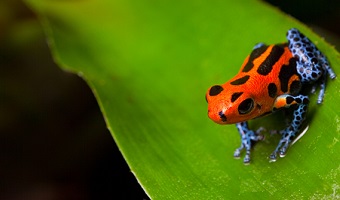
(270, 79)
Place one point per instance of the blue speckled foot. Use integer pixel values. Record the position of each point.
(247, 136)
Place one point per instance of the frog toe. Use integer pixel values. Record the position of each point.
(246, 160)
(237, 154)
(273, 157)
(283, 152)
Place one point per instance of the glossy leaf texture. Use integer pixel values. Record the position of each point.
(150, 63)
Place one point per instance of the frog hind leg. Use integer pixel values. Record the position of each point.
(247, 136)
(311, 64)
(287, 135)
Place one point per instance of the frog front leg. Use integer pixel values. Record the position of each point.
(284, 101)
(247, 136)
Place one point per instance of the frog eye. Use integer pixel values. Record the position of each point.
(246, 106)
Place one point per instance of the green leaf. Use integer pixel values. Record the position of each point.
(149, 63)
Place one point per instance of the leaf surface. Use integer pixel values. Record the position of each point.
(149, 64)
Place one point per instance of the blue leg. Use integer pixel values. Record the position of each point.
(311, 64)
(290, 132)
(247, 136)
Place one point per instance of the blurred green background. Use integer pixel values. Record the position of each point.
(54, 143)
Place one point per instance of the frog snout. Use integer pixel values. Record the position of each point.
(217, 116)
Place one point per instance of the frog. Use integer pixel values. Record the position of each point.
(270, 79)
